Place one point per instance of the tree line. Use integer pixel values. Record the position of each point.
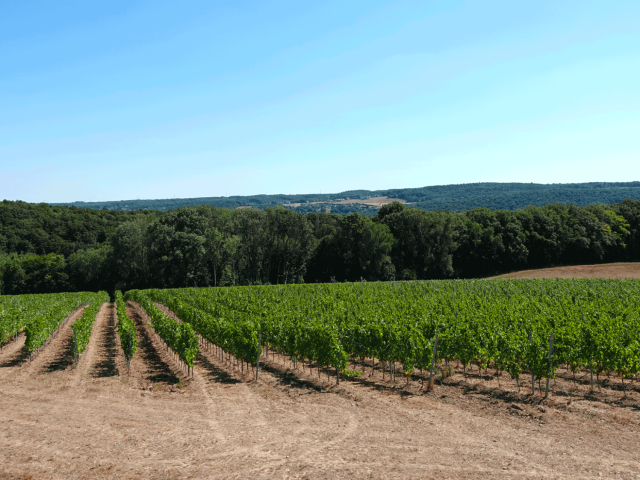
(51, 249)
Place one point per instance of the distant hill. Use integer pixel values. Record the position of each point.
(507, 196)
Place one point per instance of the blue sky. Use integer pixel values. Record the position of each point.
(186, 99)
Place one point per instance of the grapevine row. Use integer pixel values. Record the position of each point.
(84, 325)
(126, 330)
(16, 311)
(42, 326)
(506, 324)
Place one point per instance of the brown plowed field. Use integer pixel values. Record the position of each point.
(607, 270)
(97, 421)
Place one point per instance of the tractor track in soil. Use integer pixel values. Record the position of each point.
(108, 359)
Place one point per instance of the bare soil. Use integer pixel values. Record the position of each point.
(608, 270)
(98, 421)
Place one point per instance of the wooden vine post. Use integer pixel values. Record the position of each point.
(75, 348)
(130, 351)
(337, 370)
(546, 393)
(433, 362)
(533, 376)
(258, 356)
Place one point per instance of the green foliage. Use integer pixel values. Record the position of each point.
(208, 246)
(505, 324)
(40, 315)
(41, 228)
(236, 334)
(179, 336)
(33, 273)
(83, 326)
(88, 268)
(357, 249)
(17, 311)
(126, 328)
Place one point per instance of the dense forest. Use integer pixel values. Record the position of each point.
(456, 198)
(45, 248)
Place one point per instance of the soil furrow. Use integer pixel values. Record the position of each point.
(105, 362)
(57, 355)
(12, 353)
(152, 363)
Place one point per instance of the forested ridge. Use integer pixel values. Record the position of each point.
(45, 248)
(497, 196)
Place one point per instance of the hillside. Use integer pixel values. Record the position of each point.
(496, 196)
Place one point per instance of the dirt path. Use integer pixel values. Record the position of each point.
(108, 359)
(289, 424)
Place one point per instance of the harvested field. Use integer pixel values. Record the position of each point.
(373, 201)
(97, 421)
(608, 270)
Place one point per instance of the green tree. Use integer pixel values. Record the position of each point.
(130, 262)
(88, 269)
(289, 243)
(424, 241)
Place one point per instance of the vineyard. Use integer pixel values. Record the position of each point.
(41, 316)
(295, 369)
(516, 327)
(523, 327)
